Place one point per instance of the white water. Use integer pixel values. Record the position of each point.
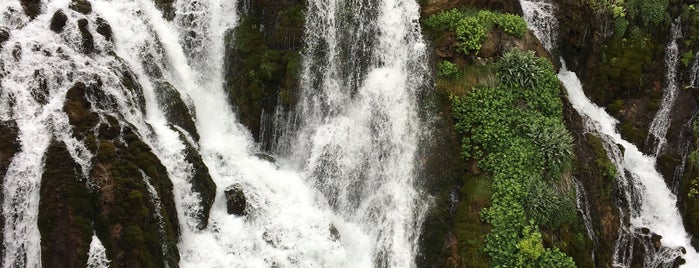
(649, 202)
(97, 256)
(661, 122)
(540, 18)
(289, 209)
(657, 210)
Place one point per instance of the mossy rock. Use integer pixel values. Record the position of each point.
(120, 199)
(202, 183)
(263, 60)
(174, 108)
(66, 210)
(126, 220)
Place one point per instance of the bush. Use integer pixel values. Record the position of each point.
(512, 24)
(498, 133)
(445, 20)
(470, 33)
(447, 69)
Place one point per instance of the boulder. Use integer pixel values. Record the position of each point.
(88, 45)
(58, 21)
(104, 29)
(235, 200)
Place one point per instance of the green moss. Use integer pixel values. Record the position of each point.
(468, 227)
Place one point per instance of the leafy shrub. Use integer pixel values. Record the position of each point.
(445, 20)
(496, 124)
(519, 69)
(555, 143)
(470, 33)
(448, 69)
(472, 27)
(512, 24)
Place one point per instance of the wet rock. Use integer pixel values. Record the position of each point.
(87, 44)
(175, 109)
(235, 200)
(9, 145)
(81, 6)
(202, 183)
(4, 36)
(31, 7)
(334, 233)
(266, 157)
(65, 210)
(104, 29)
(58, 21)
(166, 7)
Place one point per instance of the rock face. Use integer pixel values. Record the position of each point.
(64, 195)
(8, 148)
(263, 60)
(118, 206)
(235, 200)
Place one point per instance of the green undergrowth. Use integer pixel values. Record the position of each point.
(514, 129)
(472, 26)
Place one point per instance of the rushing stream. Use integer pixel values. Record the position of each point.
(347, 163)
(648, 201)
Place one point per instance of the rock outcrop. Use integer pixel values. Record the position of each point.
(263, 60)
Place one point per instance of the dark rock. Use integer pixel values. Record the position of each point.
(58, 21)
(81, 6)
(202, 183)
(266, 157)
(124, 219)
(66, 210)
(235, 200)
(4, 36)
(104, 29)
(263, 62)
(166, 7)
(9, 145)
(87, 44)
(334, 233)
(31, 7)
(174, 108)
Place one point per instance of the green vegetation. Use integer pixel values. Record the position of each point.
(447, 69)
(645, 12)
(525, 163)
(471, 27)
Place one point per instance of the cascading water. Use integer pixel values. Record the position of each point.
(649, 203)
(359, 127)
(661, 122)
(357, 133)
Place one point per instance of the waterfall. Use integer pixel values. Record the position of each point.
(344, 194)
(97, 256)
(661, 122)
(359, 127)
(647, 200)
